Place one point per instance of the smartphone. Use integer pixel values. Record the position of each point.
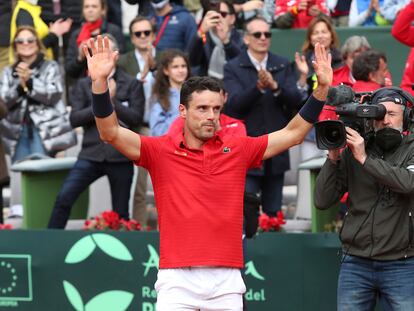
(215, 5)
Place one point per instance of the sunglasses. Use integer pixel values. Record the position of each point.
(224, 14)
(23, 40)
(146, 33)
(259, 34)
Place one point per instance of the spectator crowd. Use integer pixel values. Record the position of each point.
(45, 88)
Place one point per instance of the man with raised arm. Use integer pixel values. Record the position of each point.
(198, 177)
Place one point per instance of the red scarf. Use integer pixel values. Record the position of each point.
(87, 29)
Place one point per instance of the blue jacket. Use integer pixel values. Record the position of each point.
(180, 29)
(262, 112)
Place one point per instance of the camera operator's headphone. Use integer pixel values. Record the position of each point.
(385, 93)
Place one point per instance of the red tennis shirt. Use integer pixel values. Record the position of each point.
(199, 196)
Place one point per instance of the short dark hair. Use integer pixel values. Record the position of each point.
(255, 18)
(138, 19)
(229, 6)
(366, 63)
(198, 84)
(103, 3)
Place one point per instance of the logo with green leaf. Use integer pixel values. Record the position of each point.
(153, 260)
(114, 300)
(251, 269)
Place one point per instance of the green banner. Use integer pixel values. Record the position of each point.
(111, 271)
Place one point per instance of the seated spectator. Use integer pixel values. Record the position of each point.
(97, 158)
(391, 8)
(320, 30)
(175, 26)
(366, 13)
(351, 48)
(32, 91)
(93, 12)
(173, 70)
(216, 42)
(370, 71)
(339, 12)
(26, 13)
(140, 62)
(298, 13)
(403, 31)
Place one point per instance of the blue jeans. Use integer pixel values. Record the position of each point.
(362, 281)
(28, 145)
(83, 174)
(270, 188)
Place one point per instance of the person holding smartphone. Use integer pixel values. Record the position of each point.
(216, 42)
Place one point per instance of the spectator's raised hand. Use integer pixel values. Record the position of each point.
(81, 54)
(301, 64)
(252, 5)
(60, 26)
(322, 65)
(210, 20)
(149, 63)
(102, 60)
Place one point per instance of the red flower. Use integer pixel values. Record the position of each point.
(267, 223)
(110, 220)
(6, 227)
(264, 223)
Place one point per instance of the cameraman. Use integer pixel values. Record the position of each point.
(377, 233)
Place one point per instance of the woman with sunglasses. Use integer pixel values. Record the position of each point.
(216, 42)
(32, 91)
(173, 70)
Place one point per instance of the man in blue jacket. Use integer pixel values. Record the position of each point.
(262, 92)
(175, 25)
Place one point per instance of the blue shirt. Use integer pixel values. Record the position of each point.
(160, 120)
